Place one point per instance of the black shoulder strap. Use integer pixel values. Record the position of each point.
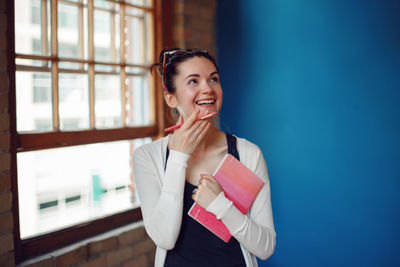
(166, 159)
(232, 148)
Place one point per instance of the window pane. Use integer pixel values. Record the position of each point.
(65, 186)
(135, 43)
(149, 34)
(34, 98)
(138, 101)
(72, 66)
(108, 101)
(103, 4)
(33, 62)
(138, 36)
(74, 101)
(107, 68)
(106, 36)
(68, 31)
(144, 3)
(31, 37)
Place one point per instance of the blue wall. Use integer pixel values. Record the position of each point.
(316, 84)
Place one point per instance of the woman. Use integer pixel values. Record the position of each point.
(173, 172)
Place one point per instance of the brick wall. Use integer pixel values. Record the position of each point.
(6, 216)
(127, 246)
(193, 26)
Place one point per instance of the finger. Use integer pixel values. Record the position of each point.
(190, 131)
(191, 119)
(207, 176)
(194, 194)
(203, 112)
(196, 131)
(201, 132)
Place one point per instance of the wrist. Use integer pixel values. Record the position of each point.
(220, 205)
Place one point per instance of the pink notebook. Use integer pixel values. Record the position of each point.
(239, 184)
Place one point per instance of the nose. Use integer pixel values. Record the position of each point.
(207, 87)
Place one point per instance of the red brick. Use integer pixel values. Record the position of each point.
(207, 13)
(188, 33)
(3, 101)
(7, 260)
(3, 22)
(4, 122)
(132, 236)
(179, 20)
(103, 245)
(204, 3)
(191, 9)
(6, 243)
(143, 247)
(178, 32)
(3, 61)
(43, 263)
(117, 257)
(6, 222)
(3, 40)
(3, 5)
(5, 201)
(137, 262)
(151, 257)
(178, 7)
(98, 262)
(5, 162)
(5, 182)
(3, 82)
(73, 257)
(4, 141)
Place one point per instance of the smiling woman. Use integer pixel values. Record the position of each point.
(175, 171)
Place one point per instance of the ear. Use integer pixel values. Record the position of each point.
(170, 99)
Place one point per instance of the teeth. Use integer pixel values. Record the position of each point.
(205, 102)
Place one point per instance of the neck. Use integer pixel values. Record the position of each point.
(212, 139)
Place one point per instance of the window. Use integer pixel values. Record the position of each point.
(85, 99)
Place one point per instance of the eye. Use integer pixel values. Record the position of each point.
(214, 79)
(193, 81)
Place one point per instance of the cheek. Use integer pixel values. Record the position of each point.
(220, 93)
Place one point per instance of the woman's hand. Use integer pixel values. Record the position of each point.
(207, 191)
(186, 138)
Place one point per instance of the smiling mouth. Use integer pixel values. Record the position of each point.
(205, 102)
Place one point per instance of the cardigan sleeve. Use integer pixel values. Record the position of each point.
(255, 231)
(161, 203)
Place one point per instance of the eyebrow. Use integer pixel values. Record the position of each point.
(197, 75)
(192, 75)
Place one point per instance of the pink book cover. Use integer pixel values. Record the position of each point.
(239, 184)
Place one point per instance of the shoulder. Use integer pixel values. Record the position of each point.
(247, 147)
(252, 157)
(154, 149)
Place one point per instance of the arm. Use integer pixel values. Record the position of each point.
(254, 231)
(161, 204)
(162, 199)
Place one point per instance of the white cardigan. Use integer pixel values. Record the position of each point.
(161, 197)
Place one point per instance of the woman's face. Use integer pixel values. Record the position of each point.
(197, 88)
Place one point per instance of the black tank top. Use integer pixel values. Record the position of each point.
(198, 247)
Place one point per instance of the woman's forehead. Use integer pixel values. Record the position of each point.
(198, 65)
